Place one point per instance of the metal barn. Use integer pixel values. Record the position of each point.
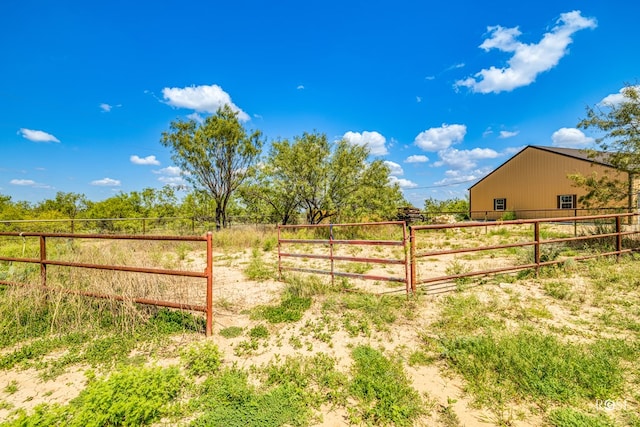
(534, 184)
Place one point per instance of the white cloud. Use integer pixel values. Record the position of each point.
(464, 159)
(504, 134)
(570, 138)
(456, 66)
(403, 183)
(195, 116)
(37, 135)
(435, 139)
(171, 175)
(169, 171)
(204, 98)
(300, 87)
(174, 181)
(28, 183)
(23, 182)
(106, 182)
(528, 60)
(509, 151)
(616, 98)
(418, 99)
(149, 160)
(394, 168)
(106, 108)
(453, 177)
(416, 159)
(374, 140)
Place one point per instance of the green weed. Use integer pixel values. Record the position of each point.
(532, 365)
(231, 331)
(257, 269)
(128, 397)
(290, 309)
(12, 387)
(201, 359)
(558, 290)
(316, 377)
(228, 399)
(382, 390)
(569, 417)
(259, 332)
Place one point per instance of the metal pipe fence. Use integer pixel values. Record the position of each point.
(600, 228)
(328, 240)
(44, 261)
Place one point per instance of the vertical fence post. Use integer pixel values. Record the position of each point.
(331, 252)
(209, 330)
(279, 256)
(536, 247)
(618, 238)
(43, 258)
(407, 265)
(412, 258)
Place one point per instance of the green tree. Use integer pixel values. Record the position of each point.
(457, 206)
(618, 125)
(69, 205)
(159, 203)
(10, 210)
(216, 155)
(327, 181)
(122, 205)
(375, 198)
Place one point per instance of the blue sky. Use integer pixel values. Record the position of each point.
(443, 91)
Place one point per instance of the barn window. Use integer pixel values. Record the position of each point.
(566, 201)
(499, 204)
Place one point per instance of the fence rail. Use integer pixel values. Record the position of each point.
(43, 261)
(442, 282)
(332, 257)
(416, 246)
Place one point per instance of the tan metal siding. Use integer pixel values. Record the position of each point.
(532, 180)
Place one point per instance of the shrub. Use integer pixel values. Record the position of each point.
(201, 359)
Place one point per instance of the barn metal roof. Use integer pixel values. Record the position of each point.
(582, 154)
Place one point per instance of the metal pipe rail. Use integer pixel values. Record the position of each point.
(43, 261)
(332, 257)
(536, 243)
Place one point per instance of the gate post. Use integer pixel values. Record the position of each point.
(209, 327)
(412, 258)
(43, 259)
